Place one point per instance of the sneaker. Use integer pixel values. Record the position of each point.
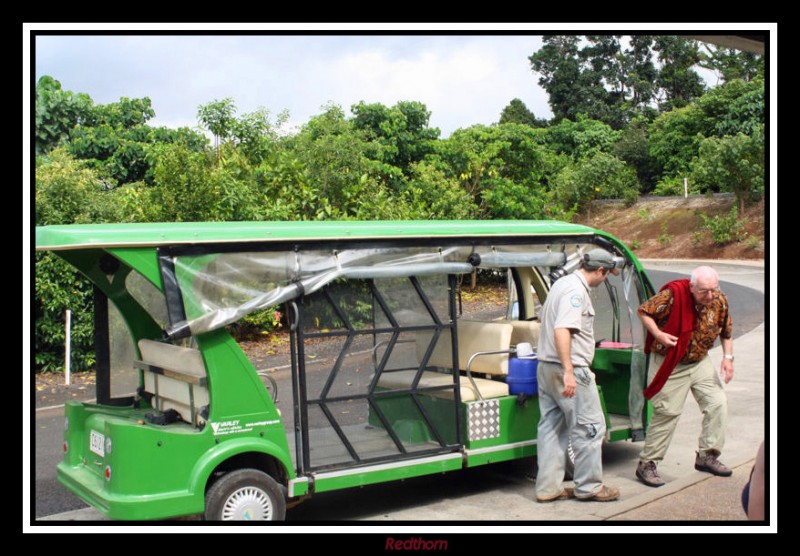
(709, 462)
(568, 492)
(605, 494)
(648, 474)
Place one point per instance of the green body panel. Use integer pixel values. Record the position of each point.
(173, 460)
(612, 370)
(162, 471)
(144, 260)
(403, 469)
(517, 423)
(407, 422)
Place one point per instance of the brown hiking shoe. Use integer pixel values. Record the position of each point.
(605, 494)
(647, 473)
(568, 492)
(709, 462)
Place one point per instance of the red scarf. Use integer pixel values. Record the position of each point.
(681, 323)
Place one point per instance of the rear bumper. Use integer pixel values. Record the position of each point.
(92, 489)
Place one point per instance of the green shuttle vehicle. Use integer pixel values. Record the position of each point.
(389, 375)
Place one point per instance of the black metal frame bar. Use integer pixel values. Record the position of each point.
(303, 402)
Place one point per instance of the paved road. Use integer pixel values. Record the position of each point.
(504, 492)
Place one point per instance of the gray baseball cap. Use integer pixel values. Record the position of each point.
(599, 258)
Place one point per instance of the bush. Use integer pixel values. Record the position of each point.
(59, 287)
(257, 323)
(725, 229)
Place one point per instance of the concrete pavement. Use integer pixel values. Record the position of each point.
(689, 498)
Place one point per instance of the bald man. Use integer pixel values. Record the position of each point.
(683, 321)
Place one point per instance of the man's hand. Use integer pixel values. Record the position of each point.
(569, 383)
(665, 339)
(727, 370)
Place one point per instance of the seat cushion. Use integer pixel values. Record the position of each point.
(403, 379)
(473, 337)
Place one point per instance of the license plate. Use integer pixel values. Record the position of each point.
(96, 443)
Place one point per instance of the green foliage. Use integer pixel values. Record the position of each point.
(725, 229)
(58, 287)
(632, 146)
(218, 118)
(675, 139)
(732, 164)
(581, 138)
(517, 113)
(339, 162)
(732, 64)
(635, 244)
(67, 192)
(673, 187)
(601, 176)
(257, 323)
(57, 113)
(402, 131)
(664, 238)
(432, 195)
(679, 82)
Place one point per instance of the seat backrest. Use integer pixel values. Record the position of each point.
(524, 331)
(473, 337)
(176, 376)
(173, 358)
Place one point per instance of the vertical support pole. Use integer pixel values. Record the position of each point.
(102, 348)
(67, 345)
(685, 188)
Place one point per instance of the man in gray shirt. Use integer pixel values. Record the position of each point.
(568, 400)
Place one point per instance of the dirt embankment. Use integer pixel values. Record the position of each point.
(672, 227)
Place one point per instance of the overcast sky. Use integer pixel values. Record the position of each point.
(463, 80)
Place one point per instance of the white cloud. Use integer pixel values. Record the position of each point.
(462, 79)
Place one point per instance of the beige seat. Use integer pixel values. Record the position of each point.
(473, 337)
(524, 331)
(176, 376)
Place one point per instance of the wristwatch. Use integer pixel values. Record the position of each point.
(728, 356)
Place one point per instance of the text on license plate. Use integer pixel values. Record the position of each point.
(96, 443)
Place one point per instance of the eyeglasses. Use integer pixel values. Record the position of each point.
(705, 291)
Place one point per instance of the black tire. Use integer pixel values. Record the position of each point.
(245, 494)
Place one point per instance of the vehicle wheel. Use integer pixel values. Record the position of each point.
(245, 494)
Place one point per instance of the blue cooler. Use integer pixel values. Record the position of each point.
(521, 377)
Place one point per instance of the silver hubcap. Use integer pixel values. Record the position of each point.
(248, 504)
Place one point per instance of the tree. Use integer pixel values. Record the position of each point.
(734, 107)
(57, 113)
(675, 138)
(732, 163)
(607, 77)
(731, 64)
(402, 131)
(217, 117)
(678, 82)
(632, 147)
(600, 176)
(572, 87)
(67, 192)
(340, 161)
(580, 138)
(517, 113)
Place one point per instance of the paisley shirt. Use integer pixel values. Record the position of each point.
(713, 320)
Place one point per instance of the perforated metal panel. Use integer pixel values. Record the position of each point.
(483, 419)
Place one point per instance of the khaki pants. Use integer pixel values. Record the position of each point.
(703, 381)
